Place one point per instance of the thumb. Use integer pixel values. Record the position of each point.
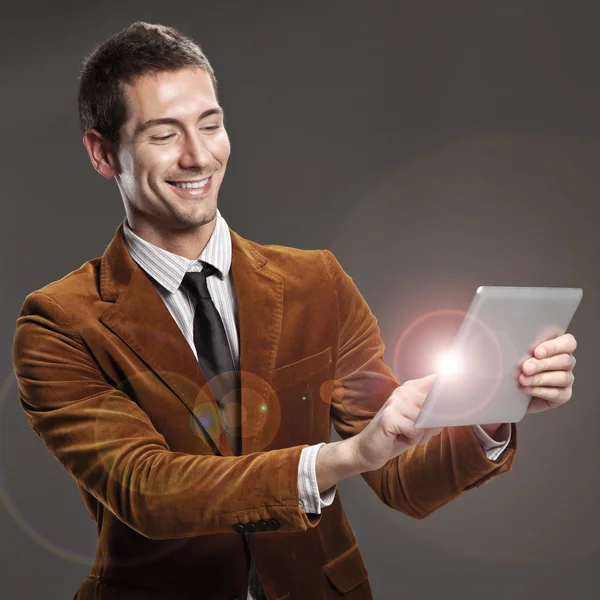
(426, 382)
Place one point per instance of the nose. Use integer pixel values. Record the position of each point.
(195, 153)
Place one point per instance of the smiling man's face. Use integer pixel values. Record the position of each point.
(172, 154)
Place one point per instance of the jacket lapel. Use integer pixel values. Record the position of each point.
(259, 293)
(141, 320)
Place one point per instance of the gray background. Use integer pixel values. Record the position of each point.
(433, 146)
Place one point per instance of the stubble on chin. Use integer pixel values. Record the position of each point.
(186, 221)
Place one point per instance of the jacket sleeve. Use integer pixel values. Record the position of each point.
(424, 478)
(109, 445)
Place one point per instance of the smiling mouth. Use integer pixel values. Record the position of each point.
(190, 185)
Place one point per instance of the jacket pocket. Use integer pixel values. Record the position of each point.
(301, 369)
(347, 570)
(301, 390)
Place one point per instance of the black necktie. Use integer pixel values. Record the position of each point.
(214, 354)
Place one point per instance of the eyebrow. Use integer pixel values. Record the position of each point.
(171, 121)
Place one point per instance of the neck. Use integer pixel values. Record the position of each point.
(188, 243)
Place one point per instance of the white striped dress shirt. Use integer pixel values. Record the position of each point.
(167, 271)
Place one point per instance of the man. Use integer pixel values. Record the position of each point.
(198, 489)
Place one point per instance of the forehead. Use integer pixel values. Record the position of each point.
(182, 94)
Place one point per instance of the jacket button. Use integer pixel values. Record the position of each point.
(263, 526)
(251, 527)
(239, 528)
(272, 524)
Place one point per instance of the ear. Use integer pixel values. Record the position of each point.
(102, 153)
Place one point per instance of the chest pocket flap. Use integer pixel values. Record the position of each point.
(301, 369)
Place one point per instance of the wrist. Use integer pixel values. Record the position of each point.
(335, 461)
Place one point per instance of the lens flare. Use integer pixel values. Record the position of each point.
(447, 363)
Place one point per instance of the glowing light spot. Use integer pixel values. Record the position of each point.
(448, 363)
(263, 408)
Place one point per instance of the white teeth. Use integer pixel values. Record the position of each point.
(192, 186)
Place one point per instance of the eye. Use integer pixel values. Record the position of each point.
(211, 127)
(164, 137)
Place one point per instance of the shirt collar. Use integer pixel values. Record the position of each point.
(167, 268)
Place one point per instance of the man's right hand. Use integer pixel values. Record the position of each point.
(392, 430)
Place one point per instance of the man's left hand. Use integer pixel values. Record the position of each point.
(548, 375)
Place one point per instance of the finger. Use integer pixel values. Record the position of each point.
(431, 432)
(563, 344)
(429, 435)
(401, 408)
(548, 379)
(410, 410)
(428, 378)
(423, 385)
(553, 395)
(410, 395)
(406, 427)
(425, 382)
(538, 405)
(561, 362)
(426, 437)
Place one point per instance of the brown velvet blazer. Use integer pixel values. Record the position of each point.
(113, 389)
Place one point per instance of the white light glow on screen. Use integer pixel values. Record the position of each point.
(448, 363)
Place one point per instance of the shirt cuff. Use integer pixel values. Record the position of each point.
(493, 449)
(308, 488)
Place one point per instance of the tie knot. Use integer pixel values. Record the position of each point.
(195, 281)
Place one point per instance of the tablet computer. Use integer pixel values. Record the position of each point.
(500, 331)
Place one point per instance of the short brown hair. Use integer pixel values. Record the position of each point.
(138, 50)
